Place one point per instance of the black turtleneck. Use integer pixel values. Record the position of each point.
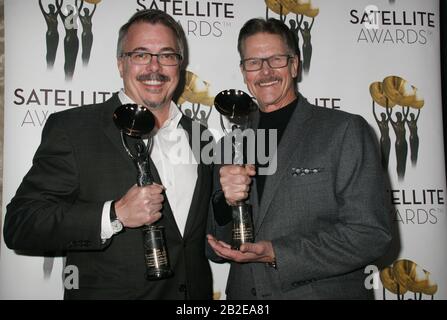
(278, 120)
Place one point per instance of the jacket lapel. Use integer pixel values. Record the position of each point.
(187, 125)
(168, 216)
(253, 196)
(109, 128)
(291, 143)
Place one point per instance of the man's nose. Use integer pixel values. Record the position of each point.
(153, 64)
(265, 67)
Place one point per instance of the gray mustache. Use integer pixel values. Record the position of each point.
(269, 79)
(153, 76)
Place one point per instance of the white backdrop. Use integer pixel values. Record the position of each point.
(348, 54)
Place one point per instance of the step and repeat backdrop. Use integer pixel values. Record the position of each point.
(376, 58)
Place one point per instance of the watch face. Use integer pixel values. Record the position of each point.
(117, 226)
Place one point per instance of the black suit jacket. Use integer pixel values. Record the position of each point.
(79, 165)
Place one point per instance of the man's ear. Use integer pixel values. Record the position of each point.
(295, 66)
(120, 63)
(243, 73)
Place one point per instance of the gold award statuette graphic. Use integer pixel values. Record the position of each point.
(196, 92)
(277, 7)
(301, 7)
(406, 276)
(391, 93)
(300, 28)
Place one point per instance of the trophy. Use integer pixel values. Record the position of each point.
(236, 106)
(135, 121)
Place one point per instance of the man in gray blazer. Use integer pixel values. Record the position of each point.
(322, 216)
(65, 201)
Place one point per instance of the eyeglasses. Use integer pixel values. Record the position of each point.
(168, 59)
(274, 62)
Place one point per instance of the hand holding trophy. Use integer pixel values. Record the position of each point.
(136, 121)
(236, 106)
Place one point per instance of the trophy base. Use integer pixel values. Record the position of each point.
(158, 274)
(237, 246)
(242, 231)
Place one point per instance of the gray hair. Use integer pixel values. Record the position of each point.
(271, 26)
(152, 17)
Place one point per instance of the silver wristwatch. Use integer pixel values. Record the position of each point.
(117, 225)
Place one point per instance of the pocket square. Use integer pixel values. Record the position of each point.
(305, 171)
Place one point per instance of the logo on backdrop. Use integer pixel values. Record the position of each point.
(393, 27)
(200, 18)
(405, 277)
(196, 92)
(302, 18)
(424, 206)
(37, 104)
(394, 92)
(69, 14)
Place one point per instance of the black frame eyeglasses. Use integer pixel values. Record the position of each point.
(276, 61)
(168, 59)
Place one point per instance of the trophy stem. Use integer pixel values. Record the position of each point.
(125, 145)
(135, 121)
(237, 106)
(155, 249)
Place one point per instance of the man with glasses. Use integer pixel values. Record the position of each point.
(82, 180)
(322, 216)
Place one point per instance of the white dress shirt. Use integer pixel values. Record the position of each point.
(176, 166)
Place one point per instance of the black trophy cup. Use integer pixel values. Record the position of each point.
(136, 121)
(236, 106)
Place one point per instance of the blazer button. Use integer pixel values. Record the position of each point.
(253, 291)
(295, 284)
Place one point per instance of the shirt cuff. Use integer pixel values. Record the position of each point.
(106, 224)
